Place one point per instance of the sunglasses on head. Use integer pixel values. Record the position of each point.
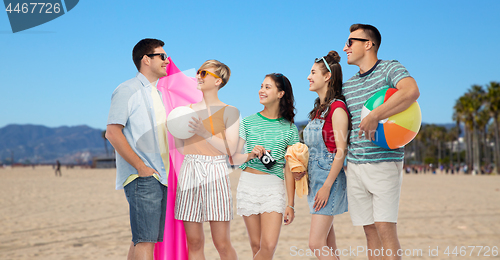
(279, 75)
(349, 41)
(204, 73)
(326, 63)
(163, 56)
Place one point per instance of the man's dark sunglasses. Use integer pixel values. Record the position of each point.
(163, 56)
(349, 41)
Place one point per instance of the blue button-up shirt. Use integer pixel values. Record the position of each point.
(132, 107)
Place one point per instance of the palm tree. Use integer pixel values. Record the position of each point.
(493, 106)
(491, 144)
(431, 137)
(451, 136)
(424, 136)
(416, 149)
(456, 118)
(483, 118)
(462, 115)
(438, 134)
(476, 101)
(467, 110)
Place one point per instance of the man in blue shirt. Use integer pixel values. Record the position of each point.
(136, 129)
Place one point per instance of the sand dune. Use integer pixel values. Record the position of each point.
(81, 216)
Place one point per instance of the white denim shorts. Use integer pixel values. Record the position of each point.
(373, 191)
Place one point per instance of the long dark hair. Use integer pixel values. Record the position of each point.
(334, 90)
(287, 102)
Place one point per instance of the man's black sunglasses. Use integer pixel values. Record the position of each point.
(163, 56)
(349, 41)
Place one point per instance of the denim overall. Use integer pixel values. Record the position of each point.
(320, 162)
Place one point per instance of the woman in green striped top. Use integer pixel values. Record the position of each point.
(261, 195)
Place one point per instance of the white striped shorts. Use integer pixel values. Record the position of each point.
(204, 189)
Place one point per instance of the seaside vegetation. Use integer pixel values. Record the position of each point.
(472, 144)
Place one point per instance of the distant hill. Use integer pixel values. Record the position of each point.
(76, 144)
(301, 123)
(448, 126)
(41, 144)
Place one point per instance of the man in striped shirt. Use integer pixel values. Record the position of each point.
(374, 174)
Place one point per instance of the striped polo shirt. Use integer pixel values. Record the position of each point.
(273, 134)
(358, 89)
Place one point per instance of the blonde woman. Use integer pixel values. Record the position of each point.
(204, 190)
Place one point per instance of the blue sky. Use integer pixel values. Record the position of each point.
(63, 72)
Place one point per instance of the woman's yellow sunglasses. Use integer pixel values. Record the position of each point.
(203, 74)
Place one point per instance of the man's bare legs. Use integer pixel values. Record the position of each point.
(382, 235)
(141, 251)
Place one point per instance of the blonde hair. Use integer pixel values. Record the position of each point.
(220, 69)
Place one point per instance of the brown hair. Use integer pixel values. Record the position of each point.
(220, 69)
(143, 47)
(371, 32)
(287, 102)
(334, 90)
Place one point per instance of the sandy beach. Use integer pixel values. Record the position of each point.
(81, 216)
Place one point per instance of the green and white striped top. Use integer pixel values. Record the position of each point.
(358, 89)
(273, 134)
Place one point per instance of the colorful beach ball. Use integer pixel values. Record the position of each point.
(397, 130)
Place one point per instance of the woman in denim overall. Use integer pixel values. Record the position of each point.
(327, 181)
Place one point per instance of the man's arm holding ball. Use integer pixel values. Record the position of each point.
(401, 100)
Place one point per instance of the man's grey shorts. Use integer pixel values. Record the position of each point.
(373, 191)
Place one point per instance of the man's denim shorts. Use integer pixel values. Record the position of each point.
(147, 199)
